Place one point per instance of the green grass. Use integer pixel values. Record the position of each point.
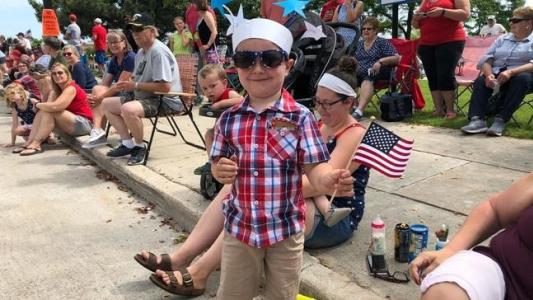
(424, 116)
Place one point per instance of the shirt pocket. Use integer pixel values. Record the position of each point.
(282, 143)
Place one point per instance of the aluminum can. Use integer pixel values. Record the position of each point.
(419, 240)
(402, 240)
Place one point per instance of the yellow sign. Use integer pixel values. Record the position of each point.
(50, 24)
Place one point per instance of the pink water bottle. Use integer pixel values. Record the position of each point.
(377, 244)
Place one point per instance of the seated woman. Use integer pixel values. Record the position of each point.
(81, 74)
(375, 56)
(506, 67)
(335, 97)
(69, 112)
(120, 69)
(500, 271)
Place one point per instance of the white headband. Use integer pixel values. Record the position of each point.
(337, 85)
(263, 29)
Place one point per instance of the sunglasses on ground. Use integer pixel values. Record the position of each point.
(517, 20)
(268, 58)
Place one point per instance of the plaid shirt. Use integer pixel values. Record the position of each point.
(266, 204)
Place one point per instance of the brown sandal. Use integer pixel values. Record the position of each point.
(19, 149)
(151, 263)
(185, 289)
(30, 151)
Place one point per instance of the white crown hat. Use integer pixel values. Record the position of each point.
(265, 29)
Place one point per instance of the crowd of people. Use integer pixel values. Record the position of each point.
(298, 162)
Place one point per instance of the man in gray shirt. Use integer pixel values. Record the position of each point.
(73, 32)
(155, 70)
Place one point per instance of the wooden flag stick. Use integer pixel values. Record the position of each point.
(372, 118)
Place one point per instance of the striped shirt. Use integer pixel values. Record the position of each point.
(266, 204)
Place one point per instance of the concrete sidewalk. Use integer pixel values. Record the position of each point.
(448, 175)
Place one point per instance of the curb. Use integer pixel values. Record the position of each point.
(186, 206)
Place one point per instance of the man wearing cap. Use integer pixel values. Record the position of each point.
(99, 38)
(492, 28)
(155, 70)
(73, 32)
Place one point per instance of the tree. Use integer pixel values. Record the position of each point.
(112, 12)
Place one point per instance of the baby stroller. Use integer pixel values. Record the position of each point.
(319, 55)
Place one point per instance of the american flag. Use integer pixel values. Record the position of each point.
(384, 151)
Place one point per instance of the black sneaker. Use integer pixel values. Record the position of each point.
(137, 156)
(119, 151)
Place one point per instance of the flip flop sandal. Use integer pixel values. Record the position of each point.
(19, 149)
(31, 151)
(185, 289)
(151, 263)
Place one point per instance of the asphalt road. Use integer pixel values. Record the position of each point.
(69, 231)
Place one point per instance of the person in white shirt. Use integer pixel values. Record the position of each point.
(492, 28)
(24, 42)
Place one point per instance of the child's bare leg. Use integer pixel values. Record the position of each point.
(332, 215)
(209, 136)
(322, 204)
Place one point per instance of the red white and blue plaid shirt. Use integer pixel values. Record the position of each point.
(266, 204)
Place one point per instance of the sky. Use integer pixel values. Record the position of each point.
(18, 15)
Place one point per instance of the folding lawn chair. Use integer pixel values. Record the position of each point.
(405, 75)
(467, 71)
(187, 64)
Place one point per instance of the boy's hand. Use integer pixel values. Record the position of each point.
(225, 169)
(341, 180)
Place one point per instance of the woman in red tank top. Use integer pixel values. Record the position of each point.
(442, 39)
(69, 112)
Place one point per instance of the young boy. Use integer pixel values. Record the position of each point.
(214, 84)
(262, 146)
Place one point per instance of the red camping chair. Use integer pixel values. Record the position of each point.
(406, 74)
(467, 71)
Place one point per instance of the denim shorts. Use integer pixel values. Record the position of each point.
(323, 236)
(82, 126)
(99, 57)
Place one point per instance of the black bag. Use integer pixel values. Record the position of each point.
(396, 107)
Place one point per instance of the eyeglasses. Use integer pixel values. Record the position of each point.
(396, 277)
(113, 42)
(269, 58)
(367, 28)
(327, 105)
(137, 28)
(517, 20)
(67, 54)
(58, 73)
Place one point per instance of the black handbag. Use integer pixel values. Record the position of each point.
(396, 107)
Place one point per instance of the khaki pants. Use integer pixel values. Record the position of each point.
(242, 265)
